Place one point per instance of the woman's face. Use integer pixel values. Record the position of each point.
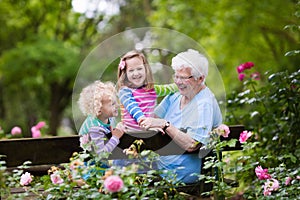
(186, 83)
(135, 71)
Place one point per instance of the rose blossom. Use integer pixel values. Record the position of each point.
(26, 179)
(255, 76)
(248, 65)
(55, 178)
(270, 186)
(288, 180)
(244, 136)
(244, 66)
(36, 133)
(223, 130)
(241, 77)
(16, 130)
(113, 183)
(84, 139)
(261, 173)
(240, 69)
(40, 125)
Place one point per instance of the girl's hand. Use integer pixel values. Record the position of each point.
(117, 133)
(155, 123)
(121, 127)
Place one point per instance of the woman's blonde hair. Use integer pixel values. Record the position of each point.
(122, 78)
(90, 99)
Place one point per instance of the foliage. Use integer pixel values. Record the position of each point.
(231, 34)
(16, 132)
(42, 44)
(45, 75)
(278, 182)
(271, 111)
(86, 177)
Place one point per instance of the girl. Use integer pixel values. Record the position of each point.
(137, 93)
(98, 102)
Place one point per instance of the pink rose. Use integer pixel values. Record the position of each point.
(255, 76)
(261, 173)
(270, 186)
(85, 142)
(223, 130)
(16, 130)
(36, 133)
(267, 192)
(240, 69)
(84, 139)
(55, 178)
(26, 179)
(244, 136)
(241, 77)
(244, 66)
(288, 180)
(248, 65)
(40, 125)
(113, 183)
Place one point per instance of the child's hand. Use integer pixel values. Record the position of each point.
(121, 127)
(140, 122)
(150, 122)
(117, 133)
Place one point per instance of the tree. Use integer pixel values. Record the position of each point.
(39, 64)
(234, 32)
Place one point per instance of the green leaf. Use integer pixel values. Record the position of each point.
(232, 142)
(292, 53)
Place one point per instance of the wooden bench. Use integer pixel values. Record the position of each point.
(46, 152)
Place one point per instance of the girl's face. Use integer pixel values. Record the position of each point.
(135, 71)
(109, 108)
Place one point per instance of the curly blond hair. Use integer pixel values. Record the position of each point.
(90, 100)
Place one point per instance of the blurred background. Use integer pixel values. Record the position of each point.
(43, 43)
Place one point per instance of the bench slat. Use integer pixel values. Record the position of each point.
(56, 150)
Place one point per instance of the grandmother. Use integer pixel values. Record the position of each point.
(187, 116)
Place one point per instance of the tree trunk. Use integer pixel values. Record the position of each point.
(59, 99)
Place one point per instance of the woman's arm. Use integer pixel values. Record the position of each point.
(184, 140)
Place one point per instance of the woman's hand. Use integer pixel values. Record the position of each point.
(153, 124)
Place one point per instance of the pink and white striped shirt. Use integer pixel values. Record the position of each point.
(136, 104)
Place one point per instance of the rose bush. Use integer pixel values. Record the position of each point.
(16, 132)
(270, 109)
(88, 176)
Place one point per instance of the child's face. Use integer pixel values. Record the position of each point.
(135, 71)
(110, 106)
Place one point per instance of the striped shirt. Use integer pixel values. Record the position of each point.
(140, 102)
(97, 131)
